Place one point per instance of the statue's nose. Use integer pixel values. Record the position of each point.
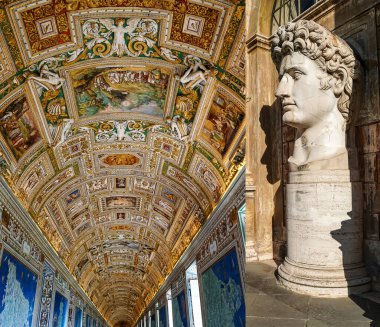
(283, 89)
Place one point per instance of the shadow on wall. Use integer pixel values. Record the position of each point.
(362, 202)
(270, 123)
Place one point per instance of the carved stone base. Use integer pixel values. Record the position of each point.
(323, 282)
(325, 234)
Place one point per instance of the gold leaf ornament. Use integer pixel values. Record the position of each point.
(102, 49)
(72, 4)
(138, 48)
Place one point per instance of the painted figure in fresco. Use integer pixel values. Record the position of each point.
(210, 180)
(118, 45)
(18, 127)
(97, 185)
(316, 71)
(56, 108)
(32, 180)
(222, 123)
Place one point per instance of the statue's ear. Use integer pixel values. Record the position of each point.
(339, 81)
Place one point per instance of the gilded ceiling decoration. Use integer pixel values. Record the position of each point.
(121, 126)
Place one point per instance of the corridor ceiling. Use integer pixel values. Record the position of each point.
(122, 124)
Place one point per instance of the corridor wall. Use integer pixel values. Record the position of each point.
(218, 250)
(34, 282)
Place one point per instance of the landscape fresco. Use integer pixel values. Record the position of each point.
(179, 310)
(60, 310)
(16, 282)
(222, 123)
(120, 90)
(121, 201)
(18, 127)
(223, 293)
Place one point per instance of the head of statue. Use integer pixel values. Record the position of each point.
(316, 71)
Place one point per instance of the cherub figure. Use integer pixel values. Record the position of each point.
(120, 131)
(118, 45)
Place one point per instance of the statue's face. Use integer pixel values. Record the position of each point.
(303, 101)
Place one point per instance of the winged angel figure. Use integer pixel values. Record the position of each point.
(131, 36)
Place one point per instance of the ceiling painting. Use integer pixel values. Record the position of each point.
(222, 122)
(104, 92)
(121, 127)
(18, 127)
(21, 130)
(54, 25)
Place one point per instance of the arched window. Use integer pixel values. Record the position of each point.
(285, 11)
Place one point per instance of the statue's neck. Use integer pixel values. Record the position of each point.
(317, 147)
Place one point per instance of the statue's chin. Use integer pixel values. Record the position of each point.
(289, 118)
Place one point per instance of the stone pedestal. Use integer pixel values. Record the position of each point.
(325, 234)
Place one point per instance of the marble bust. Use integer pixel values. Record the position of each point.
(316, 70)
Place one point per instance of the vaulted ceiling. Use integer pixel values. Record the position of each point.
(122, 124)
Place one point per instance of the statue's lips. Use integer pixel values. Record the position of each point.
(288, 106)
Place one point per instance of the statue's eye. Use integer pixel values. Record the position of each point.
(297, 75)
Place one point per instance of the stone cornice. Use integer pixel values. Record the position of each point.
(258, 41)
(13, 206)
